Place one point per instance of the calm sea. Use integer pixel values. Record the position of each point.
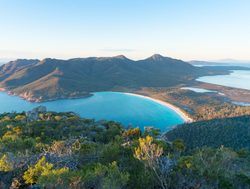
(127, 109)
(237, 79)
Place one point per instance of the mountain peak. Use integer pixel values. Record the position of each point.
(157, 57)
(121, 57)
(116, 58)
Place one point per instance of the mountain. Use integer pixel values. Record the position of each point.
(233, 61)
(221, 65)
(50, 79)
(220, 62)
(203, 63)
(14, 66)
(227, 132)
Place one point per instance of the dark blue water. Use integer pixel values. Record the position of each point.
(124, 108)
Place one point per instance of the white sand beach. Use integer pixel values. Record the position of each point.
(171, 106)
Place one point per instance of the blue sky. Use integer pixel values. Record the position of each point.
(185, 29)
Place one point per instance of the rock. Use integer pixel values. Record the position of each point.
(40, 109)
(33, 115)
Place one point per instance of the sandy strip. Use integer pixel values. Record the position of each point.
(168, 105)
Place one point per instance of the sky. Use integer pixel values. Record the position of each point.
(183, 29)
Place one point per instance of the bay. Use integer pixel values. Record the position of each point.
(126, 109)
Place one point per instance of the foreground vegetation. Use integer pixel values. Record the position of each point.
(43, 149)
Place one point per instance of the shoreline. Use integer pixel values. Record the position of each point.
(176, 109)
(25, 97)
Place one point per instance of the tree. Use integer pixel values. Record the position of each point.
(215, 168)
(148, 151)
(115, 179)
(5, 164)
(58, 118)
(41, 168)
(106, 177)
(54, 177)
(131, 133)
(151, 155)
(20, 117)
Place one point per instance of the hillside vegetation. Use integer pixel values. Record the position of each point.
(229, 132)
(40, 149)
(52, 78)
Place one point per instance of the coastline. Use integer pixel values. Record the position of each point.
(176, 109)
(179, 111)
(27, 97)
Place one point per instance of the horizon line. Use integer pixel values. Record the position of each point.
(223, 60)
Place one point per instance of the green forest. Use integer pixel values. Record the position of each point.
(41, 149)
(229, 132)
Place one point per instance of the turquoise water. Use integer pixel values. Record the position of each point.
(237, 79)
(127, 109)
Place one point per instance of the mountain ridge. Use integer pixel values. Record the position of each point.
(50, 79)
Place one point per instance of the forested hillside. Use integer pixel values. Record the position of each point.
(229, 132)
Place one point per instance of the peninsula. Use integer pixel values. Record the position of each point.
(52, 79)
